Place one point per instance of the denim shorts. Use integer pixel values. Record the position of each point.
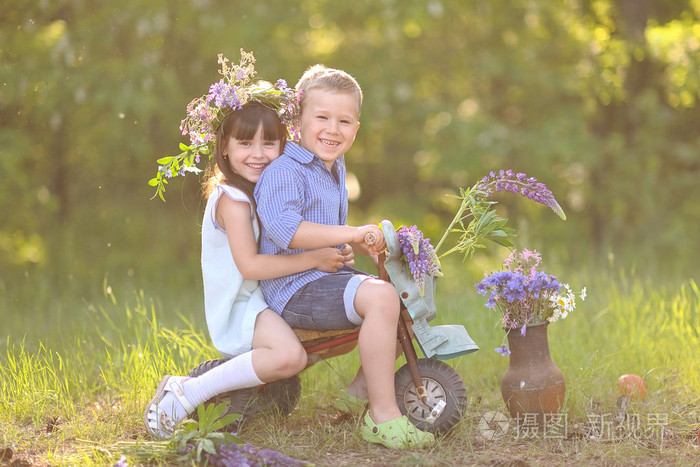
(326, 303)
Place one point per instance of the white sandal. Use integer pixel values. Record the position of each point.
(158, 422)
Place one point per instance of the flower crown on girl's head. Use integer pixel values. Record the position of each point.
(206, 113)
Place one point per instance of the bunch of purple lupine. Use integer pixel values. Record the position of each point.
(246, 455)
(476, 220)
(521, 293)
(420, 255)
(529, 187)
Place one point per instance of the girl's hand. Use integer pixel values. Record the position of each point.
(348, 255)
(328, 259)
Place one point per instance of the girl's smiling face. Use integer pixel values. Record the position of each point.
(248, 158)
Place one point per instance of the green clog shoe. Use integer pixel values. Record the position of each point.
(398, 433)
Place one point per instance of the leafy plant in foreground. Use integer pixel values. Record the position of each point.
(199, 441)
(197, 437)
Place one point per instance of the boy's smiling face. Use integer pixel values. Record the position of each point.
(329, 123)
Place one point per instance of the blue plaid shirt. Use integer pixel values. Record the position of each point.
(296, 186)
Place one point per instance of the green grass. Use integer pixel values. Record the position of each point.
(76, 377)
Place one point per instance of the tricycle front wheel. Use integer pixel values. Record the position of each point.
(442, 383)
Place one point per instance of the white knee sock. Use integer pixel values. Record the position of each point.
(237, 373)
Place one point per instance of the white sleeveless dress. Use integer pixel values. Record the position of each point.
(231, 303)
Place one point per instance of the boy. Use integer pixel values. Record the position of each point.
(302, 204)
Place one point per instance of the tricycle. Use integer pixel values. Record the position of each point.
(428, 390)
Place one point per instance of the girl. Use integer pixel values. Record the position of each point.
(263, 346)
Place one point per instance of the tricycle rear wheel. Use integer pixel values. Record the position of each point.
(441, 382)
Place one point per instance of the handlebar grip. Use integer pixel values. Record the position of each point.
(370, 238)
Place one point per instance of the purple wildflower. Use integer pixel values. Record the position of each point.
(503, 350)
(223, 95)
(216, 92)
(520, 298)
(529, 187)
(236, 454)
(420, 255)
(526, 261)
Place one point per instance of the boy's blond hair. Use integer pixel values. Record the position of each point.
(328, 79)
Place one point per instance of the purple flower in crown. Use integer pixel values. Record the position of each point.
(282, 84)
(223, 96)
(216, 91)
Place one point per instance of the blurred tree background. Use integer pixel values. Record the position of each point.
(596, 98)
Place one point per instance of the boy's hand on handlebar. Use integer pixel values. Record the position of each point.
(372, 239)
(348, 255)
(330, 259)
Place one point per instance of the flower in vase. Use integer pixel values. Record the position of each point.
(525, 296)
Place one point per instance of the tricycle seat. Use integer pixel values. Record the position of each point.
(320, 345)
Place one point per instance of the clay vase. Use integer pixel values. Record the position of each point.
(532, 384)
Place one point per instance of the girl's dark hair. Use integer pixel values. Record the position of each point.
(242, 124)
